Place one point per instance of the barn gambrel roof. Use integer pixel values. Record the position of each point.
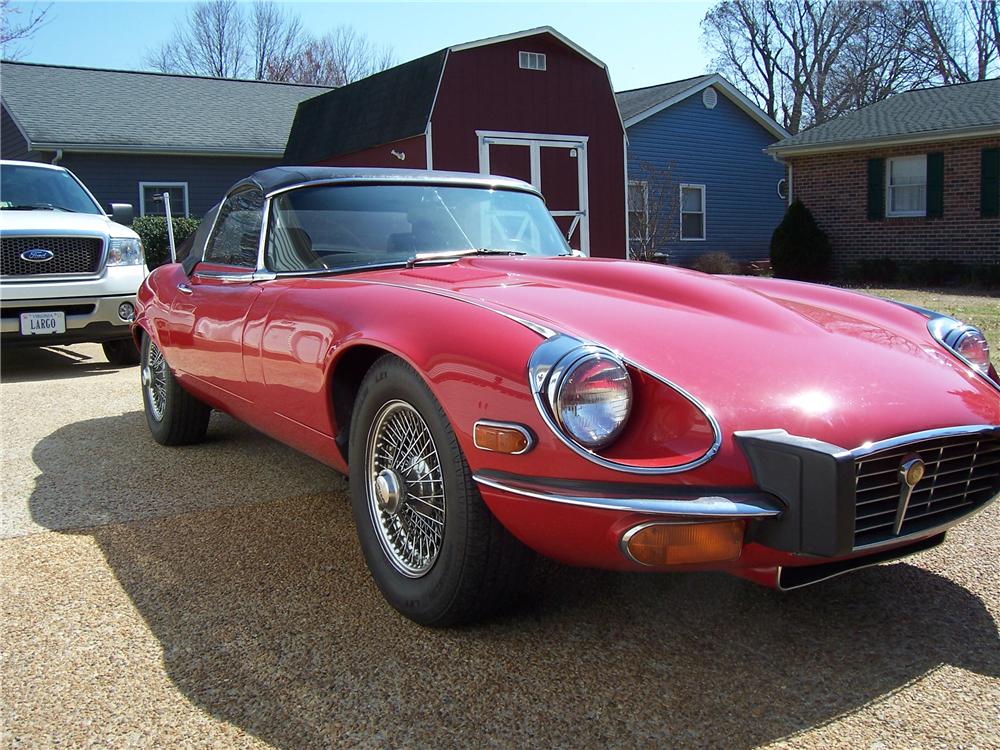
(386, 107)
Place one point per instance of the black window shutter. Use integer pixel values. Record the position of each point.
(989, 187)
(876, 189)
(935, 185)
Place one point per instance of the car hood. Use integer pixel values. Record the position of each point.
(758, 353)
(57, 222)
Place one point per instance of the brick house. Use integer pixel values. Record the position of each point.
(913, 177)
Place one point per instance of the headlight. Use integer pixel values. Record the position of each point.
(966, 341)
(591, 397)
(125, 252)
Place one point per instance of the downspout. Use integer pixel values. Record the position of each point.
(58, 156)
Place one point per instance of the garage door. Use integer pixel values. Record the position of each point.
(555, 164)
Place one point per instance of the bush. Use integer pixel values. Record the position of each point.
(716, 262)
(152, 230)
(935, 272)
(882, 270)
(925, 273)
(799, 248)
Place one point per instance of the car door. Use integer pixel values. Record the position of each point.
(210, 310)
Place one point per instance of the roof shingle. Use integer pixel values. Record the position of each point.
(62, 107)
(932, 112)
(636, 101)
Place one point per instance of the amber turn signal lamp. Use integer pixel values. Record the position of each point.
(501, 438)
(684, 543)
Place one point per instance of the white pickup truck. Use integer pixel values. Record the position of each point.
(68, 272)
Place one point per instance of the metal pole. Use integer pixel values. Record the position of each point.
(170, 227)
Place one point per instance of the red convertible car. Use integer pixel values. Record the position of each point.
(492, 396)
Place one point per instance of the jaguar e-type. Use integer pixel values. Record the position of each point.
(493, 396)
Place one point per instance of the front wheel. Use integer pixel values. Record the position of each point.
(434, 549)
(174, 416)
(121, 352)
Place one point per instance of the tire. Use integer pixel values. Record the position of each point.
(462, 568)
(121, 352)
(174, 416)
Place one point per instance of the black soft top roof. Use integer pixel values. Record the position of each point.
(277, 178)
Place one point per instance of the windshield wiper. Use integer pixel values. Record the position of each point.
(37, 207)
(446, 255)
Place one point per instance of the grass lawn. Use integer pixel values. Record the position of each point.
(977, 308)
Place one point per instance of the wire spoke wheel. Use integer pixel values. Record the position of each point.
(405, 488)
(154, 380)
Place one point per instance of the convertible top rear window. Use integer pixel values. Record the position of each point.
(329, 227)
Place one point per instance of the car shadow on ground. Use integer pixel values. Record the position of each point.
(24, 364)
(268, 620)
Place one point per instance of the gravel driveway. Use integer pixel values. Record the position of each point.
(215, 596)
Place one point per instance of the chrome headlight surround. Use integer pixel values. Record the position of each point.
(552, 368)
(954, 335)
(561, 399)
(561, 349)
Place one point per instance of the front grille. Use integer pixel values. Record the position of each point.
(15, 312)
(961, 473)
(69, 255)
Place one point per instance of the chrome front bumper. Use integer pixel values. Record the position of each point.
(657, 500)
(88, 319)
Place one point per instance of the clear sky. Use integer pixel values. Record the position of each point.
(642, 43)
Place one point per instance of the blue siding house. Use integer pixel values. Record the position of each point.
(699, 180)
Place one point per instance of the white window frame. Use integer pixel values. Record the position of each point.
(681, 212)
(532, 61)
(888, 186)
(158, 184)
(644, 209)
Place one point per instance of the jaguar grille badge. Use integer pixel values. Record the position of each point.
(911, 471)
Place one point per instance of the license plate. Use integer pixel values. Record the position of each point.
(42, 322)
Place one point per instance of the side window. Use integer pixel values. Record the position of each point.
(237, 231)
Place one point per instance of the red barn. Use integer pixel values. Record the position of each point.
(531, 105)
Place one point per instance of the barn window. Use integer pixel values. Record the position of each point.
(692, 212)
(532, 60)
(151, 202)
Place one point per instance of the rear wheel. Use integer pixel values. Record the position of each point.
(121, 352)
(434, 549)
(174, 416)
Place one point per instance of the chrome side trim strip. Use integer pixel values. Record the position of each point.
(708, 507)
(507, 426)
(540, 368)
(538, 328)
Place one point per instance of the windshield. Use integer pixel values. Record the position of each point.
(26, 188)
(331, 227)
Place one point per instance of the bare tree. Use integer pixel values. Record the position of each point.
(226, 39)
(962, 39)
(210, 41)
(807, 61)
(340, 57)
(16, 27)
(277, 40)
(653, 210)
